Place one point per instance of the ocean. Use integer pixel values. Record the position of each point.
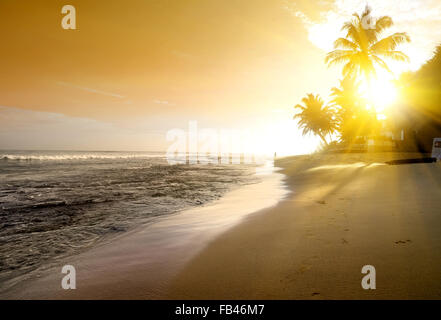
(57, 203)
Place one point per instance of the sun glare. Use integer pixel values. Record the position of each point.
(380, 94)
(282, 138)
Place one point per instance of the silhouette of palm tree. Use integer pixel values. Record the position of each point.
(352, 117)
(362, 47)
(347, 96)
(315, 117)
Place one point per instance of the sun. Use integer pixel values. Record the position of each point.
(380, 94)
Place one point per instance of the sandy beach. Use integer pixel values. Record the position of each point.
(343, 212)
(346, 211)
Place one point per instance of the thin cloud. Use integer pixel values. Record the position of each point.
(104, 93)
(157, 101)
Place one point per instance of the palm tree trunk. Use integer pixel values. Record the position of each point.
(323, 138)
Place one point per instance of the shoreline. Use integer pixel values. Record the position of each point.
(159, 249)
(345, 212)
(341, 212)
(48, 215)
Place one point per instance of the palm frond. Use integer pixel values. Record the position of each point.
(395, 55)
(338, 56)
(351, 32)
(383, 23)
(390, 43)
(299, 106)
(350, 68)
(342, 43)
(381, 63)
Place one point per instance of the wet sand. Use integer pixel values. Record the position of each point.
(346, 211)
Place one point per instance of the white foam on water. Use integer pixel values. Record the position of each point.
(74, 155)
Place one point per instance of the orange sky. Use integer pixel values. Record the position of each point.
(148, 66)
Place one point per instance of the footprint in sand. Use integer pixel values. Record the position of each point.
(303, 269)
(403, 241)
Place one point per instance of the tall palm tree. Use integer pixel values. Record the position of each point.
(316, 117)
(362, 47)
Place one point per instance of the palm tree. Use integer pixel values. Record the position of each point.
(353, 119)
(362, 47)
(347, 96)
(315, 117)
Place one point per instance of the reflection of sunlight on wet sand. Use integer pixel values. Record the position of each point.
(267, 168)
(346, 166)
(232, 207)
